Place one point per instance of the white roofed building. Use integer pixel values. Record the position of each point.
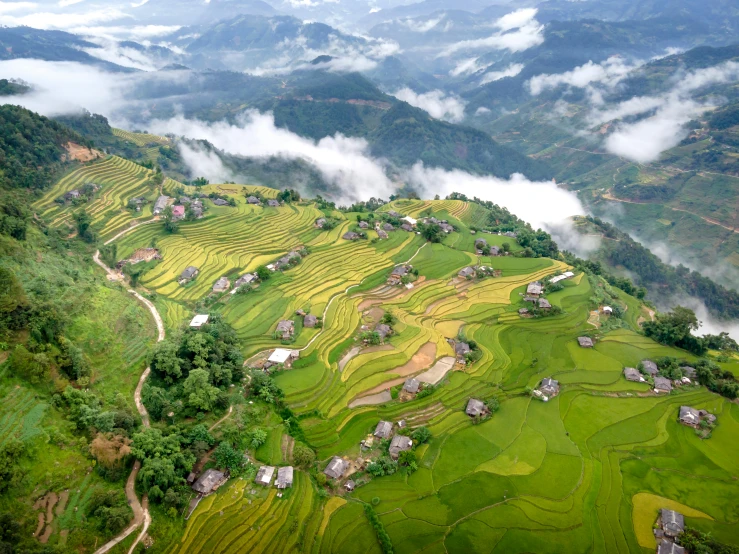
(199, 320)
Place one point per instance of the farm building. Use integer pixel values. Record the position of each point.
(607, 310)
(585, 342)
(399, 444)
(264, 476)
(285, 477)
(363, 225)
(410, 221)
(446, 227)
(672, 523)
(275, 204)
(558, 278)
(544, 304)
(534, 289)
(467, 272)
(480, 244)
(335, 468)
(320, 222)
(688, 371)
(667, 547)
(407, 227)
(393, 213)
(495, 251)
(253, 200)
(199, 320)
(190, 272)
(691, 416)
(350, 485)
(662, 384)
(523, 311)
(475, 407)
(383, 330)
(209, 481)
(72, 195)
(549, 387)
(244, 280)
(388, 227)
(283, 356)
(350, 235)
(160, 204)
(632, 374)
(461, 349)
(220, 202)
(178, 212)
(383, 430)
(221, 285)
(411, 386)
(382, 234)
(649, 367)
(310, 321)
(285, 328)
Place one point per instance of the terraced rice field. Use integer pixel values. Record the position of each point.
(140, 139)
(582, 472)
(20, 415)
(119, 179)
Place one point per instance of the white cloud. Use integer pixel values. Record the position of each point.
(112, 51)
(511, 71)
(436, 103)
(342, 161)
(63, 21)
(609, 73)
(419, 25)
(7, 7)
(138, 33)
(482, 110)
(518, 31)
(65, 3)
(466, 67)
(551, 210)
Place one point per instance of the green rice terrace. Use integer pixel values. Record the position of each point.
(582, 464)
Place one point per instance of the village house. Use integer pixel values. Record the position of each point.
(397, 274)
(384, 430)
(480, 244)
(399, 444)
(335, 468)
(188, 274)
(388, 227)
(670, 524)
(220, 202)
(407, 227)
(662, 384)
(350, 235)
(382, 234)
(607, 310)
(467, 272)
(264, 476)
(253, 200)
(689, 372)
(283, 356)
(633, 374)
(350, 485)
(667, 547)
(544, 304)
(246, 279)
(585, 342)
(137, 202)
(310, 321)
(383, 330)
(209, 482)
(178, 212)
(558, 278)
(284, 477)
(410, 221)
(461, 349)
(510, 234)
(549, 387)
(475, 408)
(73, 194)
(199, 320)
(185, 200)
(393, 213)
(223, 284)
(691, 416)
(275, 204)
(495, 251)
(363, 225)
(320, 222)
(160, 204)
(649, 367)
(446, 227)
(523, 311)
(534, 289)
(285, 329)
(411, 386)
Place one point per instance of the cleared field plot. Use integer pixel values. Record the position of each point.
(119, 180)
(140, 139)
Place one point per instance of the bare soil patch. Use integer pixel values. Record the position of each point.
(82, 153)
(419, 361)
(437, 373)
(371, 400)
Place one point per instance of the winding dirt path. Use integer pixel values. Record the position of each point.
(141, 515)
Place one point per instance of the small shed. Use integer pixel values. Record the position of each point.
(585, 342)
(335, 468)
(264, 475)
(199, 320)
(475, 407)
(399, 444)
(411, 385)
(383, 430)
(310, 321)
(285, 477)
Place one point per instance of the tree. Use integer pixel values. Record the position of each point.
(110, 450)
(303, 456)
(34, 367)
(165, 362)
(674, 329)
(83, 221)
(257, 437)
(263, 273)
(171, 225)
(228, 457)
(10, 471)
(198, 392)
(421, 435)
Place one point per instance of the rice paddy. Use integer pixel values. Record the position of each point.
(583, 472)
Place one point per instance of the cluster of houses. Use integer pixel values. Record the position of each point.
(254, 201)
(471, 272)
(284, 480)
(534, 291)
(285, 329)
(669, 526)
(693, 417)
(562, 277)
(661, 384)
(288, 260)
(548, 388)
(75, 194)
(212, 479)
(398, 273)
(178, 208)
(309, 320)
(443, 223)
(481, 245)
(195, 205)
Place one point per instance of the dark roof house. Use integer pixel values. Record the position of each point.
(275, 204)
(285, 477)
(461, 349)
(285, 328)
(632, 374)
(399, 444)
(383, 430)
(649, 367)
(668, 547)
(411, 385)
(407, 227)
(264, 475)
(335, 468)
(209, 481)
(662, 384)
(549, 386)
(189, 272)
(310, 321)
(253, 200)
(544, 304)
(383, 330)
(388, 227)
(220, 202)
(672, 523)
(475, 407)
(466, 272)
(585, 342)
(350, 235)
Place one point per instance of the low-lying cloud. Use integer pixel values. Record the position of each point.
(436, 103)
(517, 31)
(608, 73)
(511, 71)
